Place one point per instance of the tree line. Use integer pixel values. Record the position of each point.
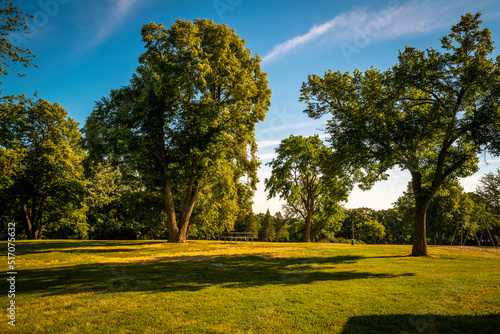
(173, 153)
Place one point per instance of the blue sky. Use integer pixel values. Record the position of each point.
(86, 48)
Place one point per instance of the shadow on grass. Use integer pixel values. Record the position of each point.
(409, 256)
(47, 246)
(228, 272)
(411, 323)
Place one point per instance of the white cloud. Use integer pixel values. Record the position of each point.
(289, 126)
(268, 156)
(361, 27)
(268, 143)
(112, 18)
(124, 6)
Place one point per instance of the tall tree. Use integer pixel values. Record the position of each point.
(13, 20)
(296, 177)
(194, 100)
(46, 181)
(431, 114)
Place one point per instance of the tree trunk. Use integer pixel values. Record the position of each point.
(29, 225)
(38, 231)
(308, 226)
(173, 230)
(191, 196)
(419, 229)
(440, 238)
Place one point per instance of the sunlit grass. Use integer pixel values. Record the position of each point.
(212, 287)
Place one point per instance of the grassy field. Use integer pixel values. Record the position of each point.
(212, 287)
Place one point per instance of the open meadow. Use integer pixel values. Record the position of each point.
(68, 286)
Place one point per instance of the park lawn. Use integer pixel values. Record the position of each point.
(68, 286)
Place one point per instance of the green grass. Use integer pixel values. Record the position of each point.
(212, 287)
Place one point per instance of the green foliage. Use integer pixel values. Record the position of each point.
(354, 218)
(489, 191)
(370, 231)
(13, 20)
(268, 230)
(280, 227)
(121, 208)
(13, 126)
(248, 223)
(42, 181)
(431, 114)
(190, 108)
(219, 202)
(445, 210)
(398, 228)
(297, 178)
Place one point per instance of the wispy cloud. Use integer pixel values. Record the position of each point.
(361, 27)
(288, 126)
(268, 156)
(268, 143)
(112, 17)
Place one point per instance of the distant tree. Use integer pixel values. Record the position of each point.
(431, 114)
(41, 160)
(193, 103)
(447, 206)
(251, 223)
(354, 218)
(267, 229)
(296, 177)
(489, 191)
(327, 219)
(13, 20)
(280, 225)
(471, 204)
(443, 211)
(397, 230)
(370, 231)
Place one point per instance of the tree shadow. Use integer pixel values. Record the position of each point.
(45, 246)
(409, 256)
(427, 323)
(191, 275)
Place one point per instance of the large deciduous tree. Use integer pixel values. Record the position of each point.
(193, 102)
(297, 178)
(41, 170)
(431, 114)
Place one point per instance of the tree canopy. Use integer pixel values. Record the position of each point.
(431, 114)
(42, 177)
(191, 107)
(297, 178)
